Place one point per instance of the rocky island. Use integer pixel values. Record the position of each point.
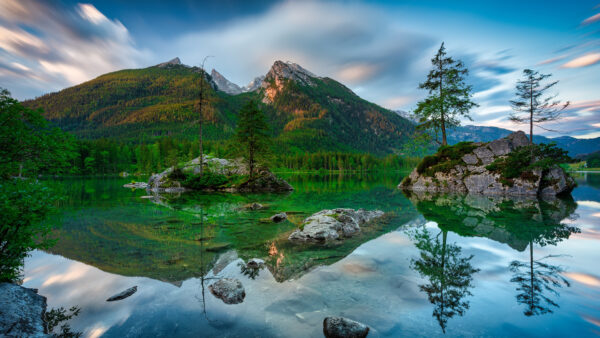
(219, 175)
(506, 166)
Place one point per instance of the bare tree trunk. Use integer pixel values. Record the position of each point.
(21, 170)
(201, 118)
(531, 114)
(444, 141)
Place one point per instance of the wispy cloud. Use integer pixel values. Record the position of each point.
(583, 61)
(591, 19)
(56, 45)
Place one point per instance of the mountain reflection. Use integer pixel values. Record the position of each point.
(517, 222)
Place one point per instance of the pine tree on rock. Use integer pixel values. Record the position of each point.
(252, 136)
(532, 106)
(449, 96)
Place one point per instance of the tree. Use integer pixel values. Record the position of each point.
(201, 103)
(449, 273)
(532, 105)
(449, 96)
(28, 143)
(252, 136)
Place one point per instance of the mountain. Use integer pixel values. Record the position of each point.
(306, 112)
(225, 85)
(573, 145)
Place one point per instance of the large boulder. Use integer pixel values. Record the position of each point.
(230, 291)
(333, 224)
(264, 181)
(21, 312)
(470, 172)
(340, 327)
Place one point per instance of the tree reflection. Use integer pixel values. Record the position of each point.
(449, 274)
(533, 279)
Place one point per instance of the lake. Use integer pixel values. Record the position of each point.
(446, 265)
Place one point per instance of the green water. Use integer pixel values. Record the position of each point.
(434, 265)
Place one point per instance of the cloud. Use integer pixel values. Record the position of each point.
(58, 45)
(357, 44)
(552, 60)
(583, 61)
(591, 19)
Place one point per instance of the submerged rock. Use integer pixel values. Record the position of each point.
(279, 217)
(230, 291)
(339, 327)
(123, 295)
(333, 224)
(21, 312)
(264, 181)
(468, 170)
(136, 185)
(253, 206)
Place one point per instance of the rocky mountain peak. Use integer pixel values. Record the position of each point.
(174, 61)
(289, 70)
(273, 82)
(225, 85)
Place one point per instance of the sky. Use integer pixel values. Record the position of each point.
(379, 49)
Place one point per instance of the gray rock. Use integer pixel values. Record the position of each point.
(557, 182)
(339, 327)
(254, 206)
(333, 224)
(21, 312)
(476, 178)
(470, 159)
(136, 185)
(224, 260)
(484, 154)
(518, 139)
(230, 291)
(279, 217)
(123, 295)
(500, 147)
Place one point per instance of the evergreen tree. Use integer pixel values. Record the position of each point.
(449, 96)
(532, 105)
(252, 136)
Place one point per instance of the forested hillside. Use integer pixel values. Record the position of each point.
(144, 105)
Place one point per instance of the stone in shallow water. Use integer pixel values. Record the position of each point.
(279, 217)
(333, 224)
(339, 327)
(123, 294)
(21, 311)
(229, 290)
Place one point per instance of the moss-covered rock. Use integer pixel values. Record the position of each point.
(507, 166)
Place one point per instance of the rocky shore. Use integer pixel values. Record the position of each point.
(327, 225)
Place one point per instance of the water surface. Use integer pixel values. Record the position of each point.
(433, 266)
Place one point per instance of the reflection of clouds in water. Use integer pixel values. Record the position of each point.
(584, 278)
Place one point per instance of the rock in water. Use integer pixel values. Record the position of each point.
(279, 217)
(123, 294)
(21, 312)
(333, 224)
(466, 168)
(230, 291)
(253, 206)
(339, 327)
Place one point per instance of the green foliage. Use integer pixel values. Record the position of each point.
(522, 161)
(24, 204)
(449, 96)
(207, 180)
(177, 175)
(56, 316)
(445, 159)
(252, 137)
(28, 144)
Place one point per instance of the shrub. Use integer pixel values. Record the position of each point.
(177, 175)
(208, 180)
(445, 159)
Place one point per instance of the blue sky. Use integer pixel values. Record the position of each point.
(380, 49)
